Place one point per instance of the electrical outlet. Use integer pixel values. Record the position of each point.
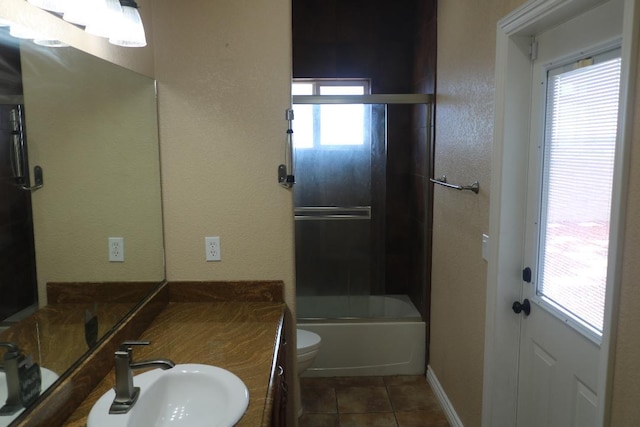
(116, 249)
(212, 248)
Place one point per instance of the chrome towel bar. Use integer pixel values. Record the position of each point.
(475, 187)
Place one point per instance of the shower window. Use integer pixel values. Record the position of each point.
(331, 126)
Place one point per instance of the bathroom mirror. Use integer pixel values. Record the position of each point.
(91, 128)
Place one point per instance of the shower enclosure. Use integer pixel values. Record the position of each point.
(18, 283)
(340, 147)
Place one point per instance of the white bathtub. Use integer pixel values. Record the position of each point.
(375, 335)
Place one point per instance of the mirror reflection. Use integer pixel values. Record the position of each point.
(79, 166)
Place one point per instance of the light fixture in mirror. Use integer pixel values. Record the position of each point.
(49, 42)
(58, 6)
(93, 127)
(20, 32)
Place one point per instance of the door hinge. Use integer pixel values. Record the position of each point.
(533, 50)
(526, 275)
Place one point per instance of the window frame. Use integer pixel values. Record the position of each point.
(317, 85)
(601, 54)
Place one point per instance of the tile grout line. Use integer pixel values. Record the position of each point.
(387, 384)
(395, 416)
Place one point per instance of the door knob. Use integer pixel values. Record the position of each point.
(518, 307)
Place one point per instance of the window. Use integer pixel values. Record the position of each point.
(577, 176)
(330, 126)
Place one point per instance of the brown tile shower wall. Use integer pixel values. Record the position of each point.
(393, 43)
(422, 154)
(355, 39)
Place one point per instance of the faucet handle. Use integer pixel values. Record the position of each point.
(12, 350)
(126, 345)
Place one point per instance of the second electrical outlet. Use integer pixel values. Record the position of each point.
(116, 249)
(212, 248)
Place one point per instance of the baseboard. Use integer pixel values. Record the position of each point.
(447, 407)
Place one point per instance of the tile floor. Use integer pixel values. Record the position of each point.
(394, 401)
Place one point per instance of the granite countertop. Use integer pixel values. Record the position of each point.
(239, 336)
(55, 335)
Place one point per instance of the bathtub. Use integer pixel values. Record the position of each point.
(364, 335)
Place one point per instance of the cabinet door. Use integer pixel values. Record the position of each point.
(280, 396)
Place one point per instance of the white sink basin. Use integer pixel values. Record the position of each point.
(48, 377)
(187, 395)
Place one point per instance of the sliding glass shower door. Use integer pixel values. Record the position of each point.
(339, 153)
(340, 137)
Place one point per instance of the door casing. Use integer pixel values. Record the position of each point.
(509, 192)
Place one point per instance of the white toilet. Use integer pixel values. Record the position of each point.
(308, 344)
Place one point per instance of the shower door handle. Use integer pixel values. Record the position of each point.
(306, 213)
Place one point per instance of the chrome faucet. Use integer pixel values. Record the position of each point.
(126, 393)
(23, 379)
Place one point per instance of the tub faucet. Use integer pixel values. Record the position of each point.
(126, 393)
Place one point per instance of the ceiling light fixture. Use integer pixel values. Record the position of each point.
(117, 20)
(80, 12)
(130, 30)
(104, 20)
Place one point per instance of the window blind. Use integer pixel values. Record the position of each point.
(577, 176)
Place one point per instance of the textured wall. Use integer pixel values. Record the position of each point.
(464, 134)
(466, 67)
(224, 74)
(626, 377)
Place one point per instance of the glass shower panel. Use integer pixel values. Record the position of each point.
(338, 238)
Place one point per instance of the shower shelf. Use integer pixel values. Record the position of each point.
(475, 187)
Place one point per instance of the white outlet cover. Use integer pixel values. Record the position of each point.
(212, 248)
(116, 249)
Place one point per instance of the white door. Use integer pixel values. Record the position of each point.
(575, 94)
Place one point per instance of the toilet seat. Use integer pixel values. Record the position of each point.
(307, 342)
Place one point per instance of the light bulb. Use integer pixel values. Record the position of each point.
(104, 21)
(80, 12)
(49, 42)
(130, 29)
(59, 6)
(20, 32)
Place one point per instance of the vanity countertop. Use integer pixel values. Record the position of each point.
(239, 336)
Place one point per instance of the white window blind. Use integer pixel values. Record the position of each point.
(577, 176)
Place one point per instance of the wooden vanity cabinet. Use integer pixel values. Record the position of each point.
(280, 383)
